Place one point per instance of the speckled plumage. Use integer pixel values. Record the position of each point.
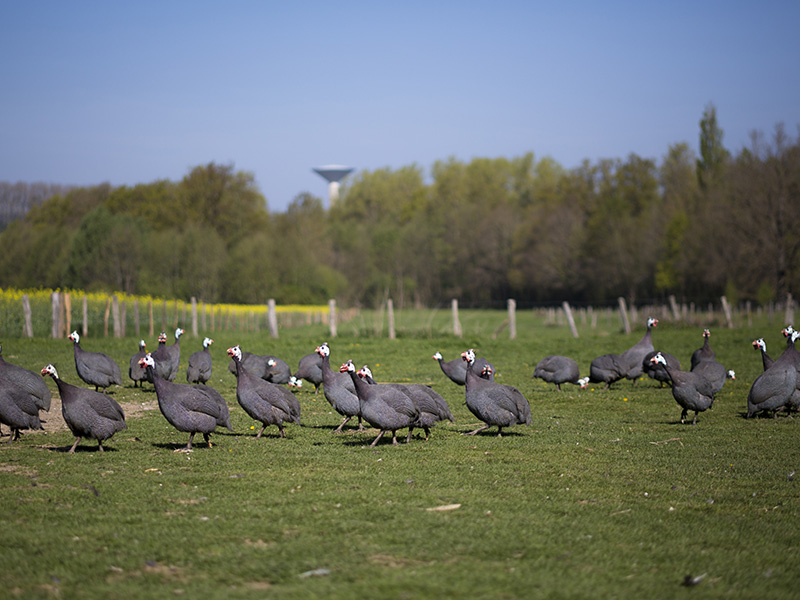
(87, 413)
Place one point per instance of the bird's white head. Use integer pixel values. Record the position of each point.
(731, 374)
(659, 359)
(706, 333)
(469, 356)
(74, 337)
(652, 322)
(365, 372)
(162, 337)
(142, 345)
(760, 344)
(323, 349)
(583, 382)
(235, 352)
(437, 356)
(347, 367)
(295, 382)
(50, 370)
(147, 361)
(207, 342)
(178, 333)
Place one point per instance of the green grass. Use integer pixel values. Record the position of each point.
(605, 495)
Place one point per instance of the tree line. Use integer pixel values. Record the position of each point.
(696, 227)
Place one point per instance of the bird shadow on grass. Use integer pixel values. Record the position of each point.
(81, 449)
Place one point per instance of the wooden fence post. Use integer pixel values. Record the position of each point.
(27, 328)
(512, 319)
(570, 319)
(390, 311)
(152, 329)
(456, 322)
(136, 317)
(332, 316)
(194, 316)
(727, 309)
(85, 316)
(789, 316)
(67, 314)
(115, 315)
(623, 312)
(272, 318)
(674, 305)
(105, 317)
(56, 326)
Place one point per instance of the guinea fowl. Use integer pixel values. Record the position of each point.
(87, 413)
(656, 370)
(558, 370)
(277, 370)
(432, 407)
(704, 352)
(29, 381)
(760, 344)
(266, 402)
(310, 369)
(385, 407)
(691, 390)
(774, 388)
(339, 390)
(18, 409)
(189, 408)
(255, 364)
(493, 403)
(632, 357)
(161, 358)
(715, 373)
(199, 369)
(174, 354)
(608, 368)
(135, 372)
(95, 368)
(456, 369)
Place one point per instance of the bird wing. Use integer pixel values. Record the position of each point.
(105, 406)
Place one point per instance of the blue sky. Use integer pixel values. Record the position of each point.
(132, 92)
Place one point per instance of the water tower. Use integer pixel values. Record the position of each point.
(334, 174)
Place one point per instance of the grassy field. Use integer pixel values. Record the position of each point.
(605, 495)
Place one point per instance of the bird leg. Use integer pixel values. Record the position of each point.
(342, 424)
(100, 446)
(72, 450)
(499, 432)
(375, 441)
(207, 438)
(262, 431)
(394, 437)
(694, 422)
(283, 433)
(410, 431)
(477, 430)
(684, 412)
(558, 387)
(360, 424)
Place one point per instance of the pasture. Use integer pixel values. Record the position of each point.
(605, 495)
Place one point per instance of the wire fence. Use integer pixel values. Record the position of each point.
(55, 313)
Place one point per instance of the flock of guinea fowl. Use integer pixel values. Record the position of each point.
(195, 407)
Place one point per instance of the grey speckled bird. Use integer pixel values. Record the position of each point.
(87, 413)
(95, 368)
(495, 404)
(189, 408)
